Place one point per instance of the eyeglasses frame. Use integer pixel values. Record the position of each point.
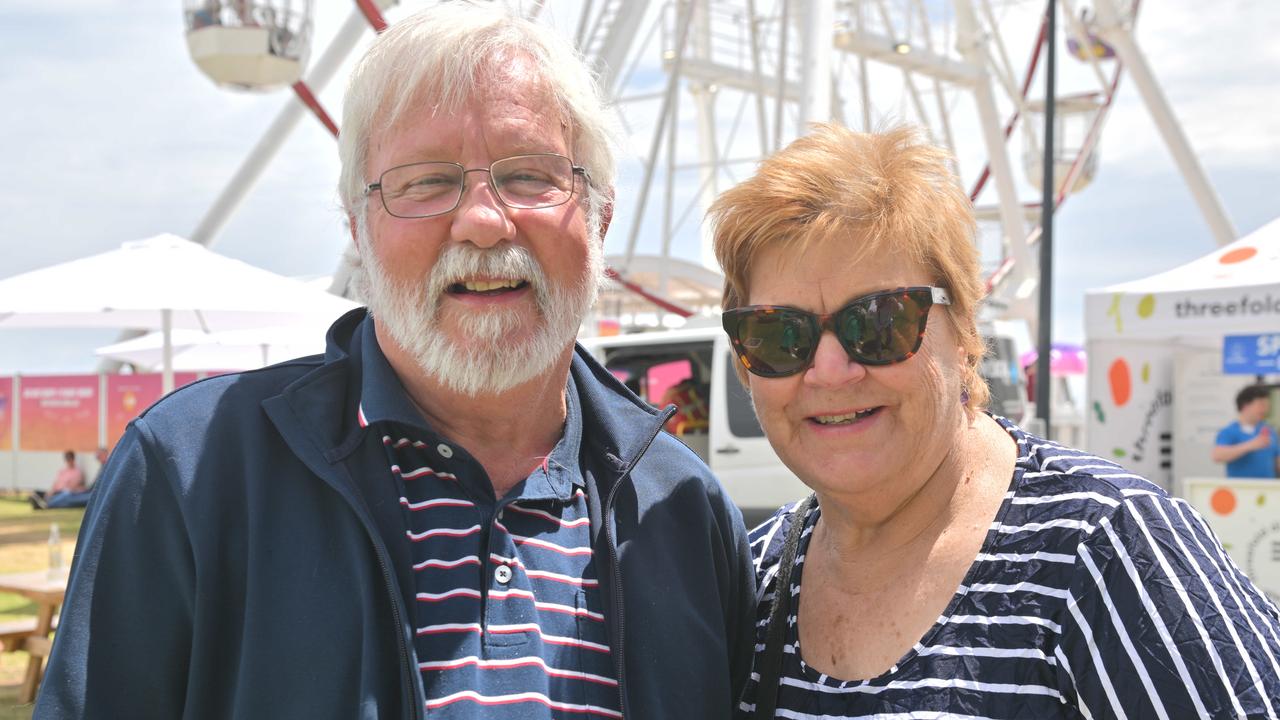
(576, 169)
(826, 323)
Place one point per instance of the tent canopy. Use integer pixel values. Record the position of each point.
(129, 286)
(1233, 290)
(162, 283)
(230, 350)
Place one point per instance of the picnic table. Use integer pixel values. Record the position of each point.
(46, 589)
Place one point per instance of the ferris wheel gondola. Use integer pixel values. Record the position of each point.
(249, 44)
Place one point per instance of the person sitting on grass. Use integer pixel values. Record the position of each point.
(69, 488)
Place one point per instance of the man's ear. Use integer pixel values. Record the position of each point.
(606, 214)
(351, 225)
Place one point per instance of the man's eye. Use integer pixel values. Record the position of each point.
(524, 176)
(430, 181)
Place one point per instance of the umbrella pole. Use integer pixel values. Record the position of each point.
(166, 324)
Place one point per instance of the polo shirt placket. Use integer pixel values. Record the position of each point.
(508, 610)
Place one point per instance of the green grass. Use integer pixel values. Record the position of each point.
(24, 547)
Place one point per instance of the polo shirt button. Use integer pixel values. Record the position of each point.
(502, 574)
(445, 451)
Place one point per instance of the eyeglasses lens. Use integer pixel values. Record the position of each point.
(422, 189)
(533, 181)
(434, 188)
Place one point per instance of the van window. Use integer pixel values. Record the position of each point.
(670, 373)
(662, 377)
(742, 417)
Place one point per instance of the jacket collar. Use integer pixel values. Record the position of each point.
(382, 395)
(324, 403)
(622, 424)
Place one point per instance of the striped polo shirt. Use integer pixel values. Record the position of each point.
(508, 609)
(1095, 595)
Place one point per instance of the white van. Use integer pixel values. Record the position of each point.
(727, 436)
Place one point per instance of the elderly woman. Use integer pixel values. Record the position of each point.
(949, 564)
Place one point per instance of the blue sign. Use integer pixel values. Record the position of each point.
(1251, 354)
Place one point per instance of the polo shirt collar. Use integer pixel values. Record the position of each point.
(382, 395)
(383, 398)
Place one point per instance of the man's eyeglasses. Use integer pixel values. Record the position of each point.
(878, 329)
(425, 189)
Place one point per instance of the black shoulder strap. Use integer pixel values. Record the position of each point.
(770, 667)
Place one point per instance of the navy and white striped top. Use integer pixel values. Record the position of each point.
(1095, 595)
(508, 609)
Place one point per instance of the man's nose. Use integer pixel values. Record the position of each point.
(481, 219)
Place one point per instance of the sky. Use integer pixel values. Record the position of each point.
(109, 133)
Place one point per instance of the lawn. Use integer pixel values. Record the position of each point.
(24, 546)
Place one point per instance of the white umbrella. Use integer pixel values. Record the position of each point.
(162, 283)
(232, 350)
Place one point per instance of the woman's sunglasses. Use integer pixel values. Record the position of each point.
(877, 329)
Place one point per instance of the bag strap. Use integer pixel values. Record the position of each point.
(770, 666)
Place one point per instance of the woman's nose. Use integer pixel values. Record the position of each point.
(831, 364)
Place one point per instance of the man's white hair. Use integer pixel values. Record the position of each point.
(438, 57)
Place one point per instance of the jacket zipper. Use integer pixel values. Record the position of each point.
(406, 665)
(619, 659)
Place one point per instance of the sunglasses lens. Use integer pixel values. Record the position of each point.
(883, 329)
(773, 343)
(879, 329)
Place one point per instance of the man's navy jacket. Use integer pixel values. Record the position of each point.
(230, 562)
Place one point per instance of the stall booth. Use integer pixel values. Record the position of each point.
(1160, 385)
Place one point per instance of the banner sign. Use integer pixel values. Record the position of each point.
(1130, 414)
(59, 413)
(129, 395)
(1251, 354)
(1243, 516)
(6, 413)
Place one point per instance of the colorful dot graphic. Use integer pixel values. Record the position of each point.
(1238, 255)
(1121, 383)
(1223, 501)
(1147, 306)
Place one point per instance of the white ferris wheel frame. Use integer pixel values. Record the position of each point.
(608, 29)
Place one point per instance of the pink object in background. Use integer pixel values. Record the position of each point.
(1064, 359)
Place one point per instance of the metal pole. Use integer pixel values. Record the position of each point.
(1120, 37)
(782, 76)
(685, 19)
(15, 417)
(166, 325)
(969, 41)
(273, 139)
(816, 49)
(1044, 351)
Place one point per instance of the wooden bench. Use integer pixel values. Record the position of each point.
(15, 634)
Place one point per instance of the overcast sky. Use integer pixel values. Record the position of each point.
(109, 133)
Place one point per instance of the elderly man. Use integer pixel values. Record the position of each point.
(454, 512)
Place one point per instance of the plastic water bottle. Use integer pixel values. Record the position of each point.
(55, 551)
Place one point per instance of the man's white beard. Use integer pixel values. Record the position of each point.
(489, 360)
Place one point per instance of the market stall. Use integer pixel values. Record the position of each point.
(1157, 393)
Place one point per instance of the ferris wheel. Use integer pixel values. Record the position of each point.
(707, 88)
